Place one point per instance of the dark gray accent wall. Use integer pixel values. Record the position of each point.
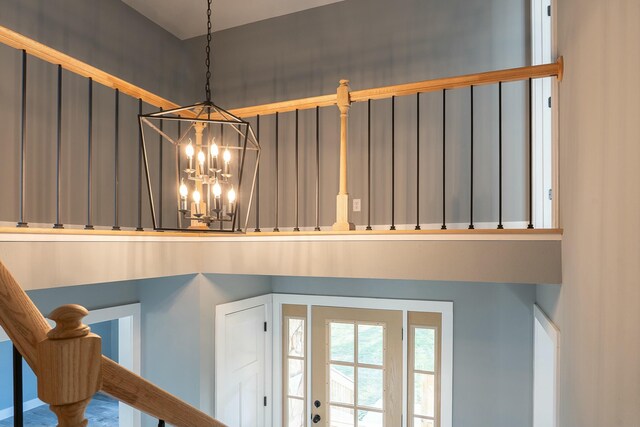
(112, 37)
(375, 43)
(492, 344)
(303, 54)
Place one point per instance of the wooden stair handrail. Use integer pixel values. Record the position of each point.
(26, 327)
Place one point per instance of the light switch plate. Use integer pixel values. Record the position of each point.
(356, 205)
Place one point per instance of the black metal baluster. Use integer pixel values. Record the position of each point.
(222, 144)
(23, 142)
(418, 161)
(89, 225)
(444, 162)
(161, 423)
(297, 209)
(276, 229)
(257, 229)
(58, 224)
(139, 227)
(160, 180)
(116, 165)
(178, 172)
(530, 225)
(240, 162)
(368, 164)
(18, 409)
(500, 226)
(317, 228)
(471, 226)
(393, 163)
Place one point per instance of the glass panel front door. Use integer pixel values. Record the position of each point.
(357, 367)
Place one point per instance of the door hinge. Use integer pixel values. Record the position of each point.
(549, 10)
(265, 401)
(265, 326)
(402, 334)
(549, 101)
(550, 194)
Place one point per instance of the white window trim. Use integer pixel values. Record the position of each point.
(443, 307)
(539, 165)
(128, 317)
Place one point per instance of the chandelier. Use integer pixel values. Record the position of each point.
(216, 163)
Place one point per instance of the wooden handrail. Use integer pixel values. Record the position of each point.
(39, 50)
(478, 79)
(26, 328)
(53, 56)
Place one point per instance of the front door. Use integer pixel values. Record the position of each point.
(356, 378)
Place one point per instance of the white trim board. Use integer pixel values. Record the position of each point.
(553, 334)
(26, 406)
(479, 236)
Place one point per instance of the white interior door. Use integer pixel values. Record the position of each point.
(241, 366)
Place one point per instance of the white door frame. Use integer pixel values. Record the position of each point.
(544, 118)
(128, 317)
(222, 311)
(554, 334)
(443, 307)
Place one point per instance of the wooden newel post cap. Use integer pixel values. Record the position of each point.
(69, 359)
(343, 97)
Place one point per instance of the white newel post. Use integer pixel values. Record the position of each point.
(342, 200)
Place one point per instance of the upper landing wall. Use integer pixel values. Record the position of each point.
(41, 261)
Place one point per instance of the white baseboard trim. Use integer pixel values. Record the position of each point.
(27, 406)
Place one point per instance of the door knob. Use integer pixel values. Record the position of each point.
(316, 419)
(316, 403)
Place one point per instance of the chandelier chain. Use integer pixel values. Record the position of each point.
(207, 62)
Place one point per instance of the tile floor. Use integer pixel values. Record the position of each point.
(102, 412)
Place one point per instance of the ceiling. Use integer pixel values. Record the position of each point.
(188, 18)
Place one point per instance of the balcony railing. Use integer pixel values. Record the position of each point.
(443, 154)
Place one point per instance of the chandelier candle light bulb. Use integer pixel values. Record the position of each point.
(196, 200)
(231, 196)
(184, 192)
(190, 151)
(201, 159)
(214, 153)
(217, 192)
(227, 159)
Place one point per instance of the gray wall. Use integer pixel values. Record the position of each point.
(371, 42)
(178, 330)
(374, 43)
(177, 324)
(492, 332)
(493, 340)
(597, 306)
(112, 37)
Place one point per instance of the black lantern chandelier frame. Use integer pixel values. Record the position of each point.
(212, 204)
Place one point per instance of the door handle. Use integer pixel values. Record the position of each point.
(316, 403)
(316, 419)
